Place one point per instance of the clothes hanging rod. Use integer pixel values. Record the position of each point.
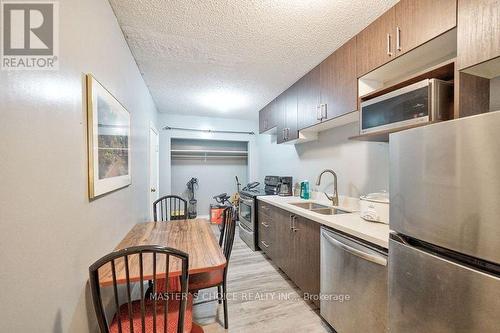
(207, 131)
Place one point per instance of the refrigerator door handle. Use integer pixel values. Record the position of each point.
(375, 259)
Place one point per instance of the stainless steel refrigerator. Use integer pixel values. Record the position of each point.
(444, 250)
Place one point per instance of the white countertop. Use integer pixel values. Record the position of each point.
(350, 223)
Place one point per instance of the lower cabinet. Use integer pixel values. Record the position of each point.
(266, 233)
(293, 244)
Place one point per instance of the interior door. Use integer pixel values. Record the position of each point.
(154, 158)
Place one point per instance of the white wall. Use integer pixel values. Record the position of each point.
(214, 177)
(213, 123)
(49, 231)
(362, 167)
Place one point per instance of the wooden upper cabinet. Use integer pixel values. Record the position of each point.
(375, 44)
(345, 83)
(308, 99)
(263, 115)
(338, 81)
(327, 85)
(291, 120)
(286, 111)
(279, 113)
(407, 25)
(267, 117)
(478, 31)
(418, 21)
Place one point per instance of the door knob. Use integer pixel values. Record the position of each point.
(153, 189)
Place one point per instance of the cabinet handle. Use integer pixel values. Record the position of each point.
(287, 133)
(318, 112)
(265, 225)
(264, 243)
(324, 111)
(398, 39)
(283, 135)
(389, 53)
(265, 123)
(294, 219)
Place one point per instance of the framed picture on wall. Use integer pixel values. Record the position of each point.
(108, 124)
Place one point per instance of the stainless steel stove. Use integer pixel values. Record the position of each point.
(248, 209)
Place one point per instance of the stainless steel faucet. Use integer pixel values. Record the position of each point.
(335, 198)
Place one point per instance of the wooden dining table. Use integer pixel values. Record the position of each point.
(195, 237)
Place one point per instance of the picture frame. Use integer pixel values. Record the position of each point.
(108, 134)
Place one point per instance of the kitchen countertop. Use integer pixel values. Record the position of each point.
(349, 223)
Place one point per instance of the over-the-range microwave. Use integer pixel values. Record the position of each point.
(426, 101)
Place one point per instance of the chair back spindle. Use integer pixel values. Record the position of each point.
(170, 207)
(229, 231)
(127, 312)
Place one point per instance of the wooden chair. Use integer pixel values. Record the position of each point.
(169, 208)
(218, 278)
(222, 228)
(163, 314)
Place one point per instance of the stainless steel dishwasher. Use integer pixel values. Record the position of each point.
(353, 284)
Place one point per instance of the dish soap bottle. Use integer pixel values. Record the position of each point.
(304, 189)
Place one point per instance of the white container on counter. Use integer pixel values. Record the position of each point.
(374, 207)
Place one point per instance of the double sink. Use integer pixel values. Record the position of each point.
(320, 209)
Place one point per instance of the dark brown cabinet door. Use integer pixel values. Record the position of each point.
(286, 111)
(273, 116)
(375, 44)
(263, 118)
(338, 82)
(293, 244)
(327, 84)
(292, 130)
(284, 241)
(345, 83)
(306, 255)
(267, 235)
(308, 92)
(268, 117)
(279, 113)
(418, 21)
(478, 31)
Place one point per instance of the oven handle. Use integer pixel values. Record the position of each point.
(247, 201)
(375, 259)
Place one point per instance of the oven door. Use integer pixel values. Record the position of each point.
(406, 106)
(247, 212)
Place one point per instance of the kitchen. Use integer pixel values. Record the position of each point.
(318, 166)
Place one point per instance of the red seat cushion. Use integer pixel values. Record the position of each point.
(172, 316)
(205, 280)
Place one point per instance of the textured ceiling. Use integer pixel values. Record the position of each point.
(230, 58)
